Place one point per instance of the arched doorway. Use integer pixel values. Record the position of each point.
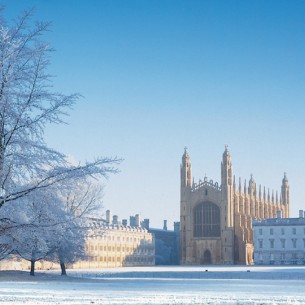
(207, 257)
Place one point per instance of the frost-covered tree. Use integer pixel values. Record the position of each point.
(34, 225)
(27, 105)
(34, 178)
(84, 198)
(39, 228)
(70, 246)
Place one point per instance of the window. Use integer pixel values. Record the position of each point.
(206, 220)
(294, 231)
(260, 231)
(271, 243)
(282, 258)
(271, 256)
(271, 231)
(260, 242)
(294, 242)
(283, 231)
(283, 243)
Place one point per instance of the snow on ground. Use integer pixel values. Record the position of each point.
(232, 285)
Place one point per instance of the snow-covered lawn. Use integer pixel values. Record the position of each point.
(157, 285)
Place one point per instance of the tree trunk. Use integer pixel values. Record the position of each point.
(32, 268)
(63, 269)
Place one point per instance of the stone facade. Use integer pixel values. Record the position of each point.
(216, 219)
(107, 245)
(167, 244)
(279, 241)
(117, 246)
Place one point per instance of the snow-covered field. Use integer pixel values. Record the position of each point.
(158, 286)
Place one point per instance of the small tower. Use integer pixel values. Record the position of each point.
(228, 210)
(285, 195)
(251, 188)
(226, 186)
(185, 197)
(252, 194)
(186, 170)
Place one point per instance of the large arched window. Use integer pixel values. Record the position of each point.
(207, 220)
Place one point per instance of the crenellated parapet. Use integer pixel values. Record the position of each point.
(205, 183)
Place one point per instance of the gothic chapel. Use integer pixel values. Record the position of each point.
(216, 220)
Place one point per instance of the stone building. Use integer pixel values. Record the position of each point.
(109, 244)
(166, 244)
(279, 241)
(116, 245)
(216, 219)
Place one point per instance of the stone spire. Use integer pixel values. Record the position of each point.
(251, 188)
(226, 186)
(285, 190)
(186, 169)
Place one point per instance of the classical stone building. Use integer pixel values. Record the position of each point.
(108, 244)
(116, 245)
(280, 241)
(216, 219)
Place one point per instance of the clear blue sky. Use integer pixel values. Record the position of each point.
(160, 75)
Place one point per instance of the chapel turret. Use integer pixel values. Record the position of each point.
(285, 194)
(186, 170)
(226, 168)
(226, 186)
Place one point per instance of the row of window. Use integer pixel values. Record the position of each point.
(282, 241)
(271, 231)
(118, 259)
(122, 238)
(119, 249)
(282, 256)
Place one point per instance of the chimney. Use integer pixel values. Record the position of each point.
(124, 222)
(132, 221)
(279, 214)
(145, 223)
(108, 217)
(164, 224)
(301, 213)
(176, 226)
(115, 220)
(137, 224)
